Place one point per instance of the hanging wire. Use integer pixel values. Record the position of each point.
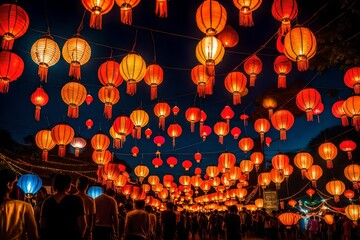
(133, 47)
(46, 17)
(81, 25)
(153, 42)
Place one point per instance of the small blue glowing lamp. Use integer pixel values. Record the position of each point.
(30, 184)
(95, 191)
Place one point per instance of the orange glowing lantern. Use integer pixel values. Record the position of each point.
(352, 79)
(292, 202)
(221, 129)
(109, 96)
(200, 77)
(110, 172)
(205, 131)
(303, 161)
(78, 143)
(352, 211)
(284, 11)
(235, 131)
(127, 190)
(39, 98)
(197, 157)
(76, 51)
(352, 173)
(300, 46)
(205, 186)
(175, 110)
(313, 173)
(282, 120)
(123, 126)
(162, 110)
(73, 94)
(328, 151)
(187, 164)
(318, 110)
(338, 112)
(229, 37)
(235, 174)
(97, 9)
(279, 162)
(282, 66)
(141, 171)
(126, 7)
(120, 181)
(45, 142)
(133, 70)
(135, 151)
(157, 162)
(212, 171)
(101, 158)
(159, 140)
(139, 118)
(257, 158)
(335, 188)
(171, 161)
(227, 160)
(349, 194)
(253, 67)
(62, 134)
(264, 179)
(348, 146)
(227, 113)
(268, 141)
(310, 192)
(161, 8)
(246, 144)
(289, 219)
(209, 52)
(185, 180)
(306, 100)
(246, 8)
(11, 68)
(246, 167)
(14, 24)
(89, 99)
(352, 109)
(153, 180)
(235, 83)
(193, 115)
(270, 104)
(109, 74)
(148, 133)
(100, 142)
(262, 126)
(211, 17)
(174, 130)
(154, 77)
(276, 177)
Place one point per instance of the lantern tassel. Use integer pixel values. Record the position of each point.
(117, 143)
(161, 8)
(209, 88)
(252, 80)
(131, 87)
(329, 164)
(221, 139)
(173, 142)
(313, 183)
(192, 127)
(37, 112)
(61, 151)
(282, 134)
(138, 132)
(44, 155)
(303, 171)
(262, 137)
(73, 111)
(4, 86)
(7, 43)
(109, 184)
(344, 121)
(236, 98)
(204, 138)
(108, 111)
(285, 27)
(75, 70)
(357, 88)
(281, 81)
(349, 155)
(271, 112)
(356, 186)
(245, 19)
(336, 198)
(302, 63)
(210, 68)
(126, 14)
(43, 72)
(309, 115)
(356, 123)
(153, 91)
(162, 123)
(96, 20)
(201, 89)
(99, 173)
(77, 152)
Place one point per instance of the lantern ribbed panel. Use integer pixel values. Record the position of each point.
(328, 151)
(351, 108)
(303, 161)
(308, 99)
(73, 94)
(109, 74)
(253, 66)
(211, 17)
(193, 115)
(97, 9)
(313, 173)
(280, 161)
(284, 11)
(14, 23)
(62, 134)
(11, 68)
(229, 37)
(352, 173)
(139, 118)
(352, 79)
(133, 70)
(335, 188)
(348, 146)
(269, 103)
(338, 112)
(154, 77)
(235, 83)
(141, 171)
(221, 129)
(200, 77)
(162, 110)
(246, 144)
(100, 142)
(110, 172)
(282, 66)
(109, 96)
(45, 142)
(282, 120)
(352, 211)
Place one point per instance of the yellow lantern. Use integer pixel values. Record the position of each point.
(139, 118)
(352, 173)
(303, 161)
(259, 203)
(328, 151)
(133, 70)
(335, 188)
(141, 171)
(352, 211)
(73, 94)
(246, 167)
(153, 180)
(313, 173)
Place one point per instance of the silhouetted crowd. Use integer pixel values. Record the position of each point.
(77, 216)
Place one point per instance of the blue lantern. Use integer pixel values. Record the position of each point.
(94, 191)
(30, 184)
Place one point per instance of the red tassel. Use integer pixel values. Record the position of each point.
(309, 115)
(336, 198)
(138, 132)
(282, 134)
(43, 72)
(44, 156)
(96, 20)
(357, 88)
(162, 123)
(7, 42)
(303, 171)
(117, 143)
(245, 18)
(210, 68)
(192, 127)
(344, 121)
(271, 112)
(302, 63)
(285, 27)
(4, 86)
(126, 14)
(131, 87)
(236, 98)
(252, 80)
(329, 164)
(201, 89)
(161, 8)
(356, 123)
(109, 184)
(77, 152)
(75, 70)
(262, 137)
(349, 155)
(173, 142)
(73, 111)
(282, 81)
(221, 139)
(313, 183)
(37, 112)
(153, 91)
(108, 111)
(61, 150)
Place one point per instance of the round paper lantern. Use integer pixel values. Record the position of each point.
(133, 70)
(135, 150)
(185, 180)
(245, 11)
(352, 173)
(89, 99)
(94, 191)
(262, 126)
(108, 95)
(264, 179)
(300, 46)
(45, 52)
(148, 133)
(268, 141)
(229, 37)
(109, 74)
(73, 94)
(100, 142)
(171, 161)
(306, 100)
(227, 160)
(246, 144)
(352, 211)
(205, 131)
(270, 104)
(352, 79)
(197, 157)
(200, 77)
(349, 194)
(211, 17)
(282, 66)
(280, 161)
(292, 202)
(303, 161)
(313, 173)
(221, 129)
(197, 171)
(139, 118)
(153, 180)
(11, 68)
(101, 158)
(175, 110)
(212, 171)
(97, 9)
(338, 112)
(289, 219)
(162, 110)
(253, 67)
(122, 125)
(141, 171)
(154, 77)
(30, 184)
(157, 162)
(76, 51)
(318, 110)
(193, 115)
(174, 130)
(259, 203)
(276, 177)
(348, 146)
(110, 172)
(284, 11)
(78, 143)
(14, 24)
(329, 219)
(209, 52)
(187, 164)
(310, 192)
(235, 174)
(117, 138)
(161, 8)
(126, 7)
(282, 120)
(328, 152)
(335, 188)
(351, 108)
(235, 131)
(246, 167)
(39, 98)
(45, 142)
(235, 83)
(62, 134)
(257, 158)
(227, 113)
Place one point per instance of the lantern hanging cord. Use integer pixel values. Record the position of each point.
(153, 42)
(46, 17)
(81, 26)
(133, 47)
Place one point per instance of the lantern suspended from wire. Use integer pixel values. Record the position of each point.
(148, 133)
(154, 77)
(78, 143)
(89, 99)
(300, 46)
(306, 100)
(161, 8)
(174, 130)
(200, 77)
(284, 11)
(235, 83)
(109, 74)
(76, 51)
(11, 68)
(205, 131)
(352, 211)
(73, 94)
(211, 17)
(14, 24)
(29, 184)
(328, 151)
(310, 192)
(227, 113)
(101, 158)
(262, 126)
(257, 158)
(245, 11)
(108, 95)
(133, 70)
(335, 188)
(282, 120)
(270, 104)
(276, 177)
(279, 162)
(157, 162)
(126, 7)
(348, 146)
(45, 52)
(221, 129)
(162, 110)
(303, 161)
(235, 131)
(282, 66)
(193, 115)
(352, 79)
(123, 126)
(62, 134)
(139, 118)
(45, 142)
(246, 144)
(100, 142)
(229, 37)
(141, 171)
(253, 67)
(313, 173)
(171, 161)
(135, 151)
(39, 98)
(97, 9)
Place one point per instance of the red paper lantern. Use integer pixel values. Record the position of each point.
(139, 118)
(101, 158)
(352, 109)
(306, 100)
(109, 74)
(253, 67)
(200, 77)
(235, 131)
(100, 142)
(268, 141)
(11, 68)
(197, 171)
(310, 192)
(126, 7)
(246, 144)
(203, 117)
(348, 146)
(197, 157)
(338, 112)
(221, 129)
(262, 126)
(109, 96)
(352, 79)
(39, 98)
(284, 11)
(211, 17)
(187, 164)
(282, 66)
(97, 9)
(157, 162)
(282, 120)
(193, 115)
(89, 123)
(172, 161)
(229, 37)
(135, 150)
(148, 133)
(205, 131)
(154, 77)
(175, 110)
(89, 99)
(162, 110)
(159, 141)
(227, 113)
(318, 110)
(280, 161)
(244, 117)
(174, 130)
(123, 126)
(235, 83)
(245, 11)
